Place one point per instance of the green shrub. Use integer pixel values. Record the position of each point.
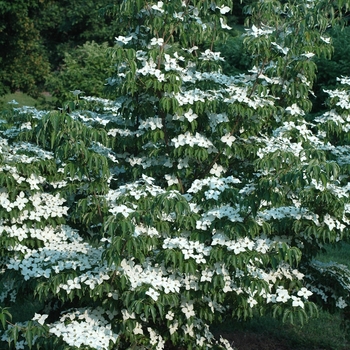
(85, 68)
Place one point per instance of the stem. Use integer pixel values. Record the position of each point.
(257, 77)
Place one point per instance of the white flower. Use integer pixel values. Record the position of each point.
(157, 41)
(270, 298)
(123, 209)
(209, 55)
(308, 54)
(252, 302)
(188, 310)
(173, 327)
(170, 315)
(153, 294)
(207, 275)
(327, 40)
(303, 292)
(183, 163)
(40, 318)
(217, 170)
(297, 302)
(263, 30)
(171, 179)
(295, 110)
(188, 329)
(228, 139)
(284, 50)
(282, 295)
(138, 329)
(224, 25)
(223, 9)
(341, 303)
(158, 7)
(190, 116)
(123, 39)
(127, 316)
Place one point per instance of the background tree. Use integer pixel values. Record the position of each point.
(36, 34)
(23, 60)
(85, 68)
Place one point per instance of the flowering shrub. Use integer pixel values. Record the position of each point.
(192, 198)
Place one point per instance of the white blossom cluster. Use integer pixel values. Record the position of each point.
(214, 183)
(232, 214)
(193, 140)
(275, 144)
(44, 206)
(85, 327)
(190, 249)
(342, 96)
(332, 116)
(263, 30)
(158, 277)
(63, 250)
(38, 153)
(289, 212)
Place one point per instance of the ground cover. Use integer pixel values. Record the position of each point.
(23, 99)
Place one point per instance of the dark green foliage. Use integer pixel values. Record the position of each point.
(337, 66)
(236, 60)
(85, 68)
(36, 35)
(24, 62)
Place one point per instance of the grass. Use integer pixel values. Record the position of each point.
(267, 333)
(339, 253)
(43, 101)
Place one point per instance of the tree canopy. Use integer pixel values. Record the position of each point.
(35, 35)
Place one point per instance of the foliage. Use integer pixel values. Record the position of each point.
(330, 70)
(192, 198)
(232, 50)
(37, 34)
(24, 63)
(64, 25)
(85, 68)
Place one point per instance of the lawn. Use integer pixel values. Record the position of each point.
(327, 332)
(22, 99)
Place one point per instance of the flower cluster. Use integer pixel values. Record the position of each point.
(194, 250)
(157, 277)
(85, 327)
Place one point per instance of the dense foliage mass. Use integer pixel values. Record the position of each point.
(192, 198)
(35, 35)
(85, 69)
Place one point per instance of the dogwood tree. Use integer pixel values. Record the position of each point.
(191, 198)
